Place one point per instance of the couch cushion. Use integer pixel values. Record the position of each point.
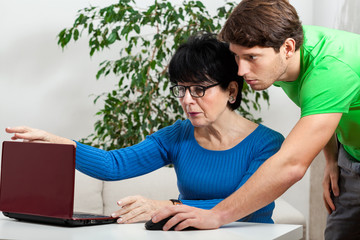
(88, 194)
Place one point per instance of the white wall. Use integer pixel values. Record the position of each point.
(41, 85)
(45, 87)
(339, 14)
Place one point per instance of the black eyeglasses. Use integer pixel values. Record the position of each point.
(196, 91)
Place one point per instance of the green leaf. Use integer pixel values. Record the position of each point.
(149, 11)
(200, 4)
(112, 38)
(152, 64)
(137, 29)
(76, 34)
(67, 38)
(91, 28)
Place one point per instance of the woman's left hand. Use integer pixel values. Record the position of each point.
(137, 208)
(28, 134)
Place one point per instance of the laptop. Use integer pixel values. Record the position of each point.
(37, 184)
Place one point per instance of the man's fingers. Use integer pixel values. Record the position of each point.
(184, 224)
(328, 208)
(182, 219)
(179, 213)
(335, 185)
(328, 201)
(185, 216)
(165, 212)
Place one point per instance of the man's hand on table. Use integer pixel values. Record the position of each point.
(187, 216)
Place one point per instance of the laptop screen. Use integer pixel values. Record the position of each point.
(37, 178)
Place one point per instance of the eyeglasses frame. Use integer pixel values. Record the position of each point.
(204, 88)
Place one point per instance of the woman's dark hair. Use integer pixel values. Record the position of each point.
(203, 58)
(264, 23)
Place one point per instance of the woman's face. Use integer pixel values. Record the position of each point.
(205, 110)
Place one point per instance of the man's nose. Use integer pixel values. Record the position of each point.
(243, 68)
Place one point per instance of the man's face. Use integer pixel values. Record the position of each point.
(260, 66)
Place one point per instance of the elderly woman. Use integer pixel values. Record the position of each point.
(214, 151)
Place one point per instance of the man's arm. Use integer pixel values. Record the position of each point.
(285, 168)
(273, 178)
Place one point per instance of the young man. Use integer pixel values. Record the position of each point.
(319, 69)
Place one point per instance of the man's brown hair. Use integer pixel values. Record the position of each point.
(264, 23)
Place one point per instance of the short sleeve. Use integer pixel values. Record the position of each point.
(330, 87)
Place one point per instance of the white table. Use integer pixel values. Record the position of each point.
(13, 229)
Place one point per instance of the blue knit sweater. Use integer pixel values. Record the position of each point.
(205, 177)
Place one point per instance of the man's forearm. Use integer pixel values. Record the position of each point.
(266, 185)
(310, 135)
(331, 150)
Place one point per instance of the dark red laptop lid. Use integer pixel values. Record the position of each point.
(37, 178)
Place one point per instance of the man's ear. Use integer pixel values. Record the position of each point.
(289, 47)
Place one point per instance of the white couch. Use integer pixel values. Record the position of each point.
(95, 196)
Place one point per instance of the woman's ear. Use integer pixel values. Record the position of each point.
(233, 89)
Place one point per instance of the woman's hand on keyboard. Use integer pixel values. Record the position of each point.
(137, 208)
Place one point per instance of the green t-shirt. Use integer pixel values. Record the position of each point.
(329, 81)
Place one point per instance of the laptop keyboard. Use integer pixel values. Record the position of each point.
(87, 215)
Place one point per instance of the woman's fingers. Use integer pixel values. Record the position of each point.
(28, 134)
(135, 215)
(137, 208)
(20, 129)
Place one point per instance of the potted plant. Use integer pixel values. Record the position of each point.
(140, 103)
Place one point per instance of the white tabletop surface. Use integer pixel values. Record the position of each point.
(13, 229)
